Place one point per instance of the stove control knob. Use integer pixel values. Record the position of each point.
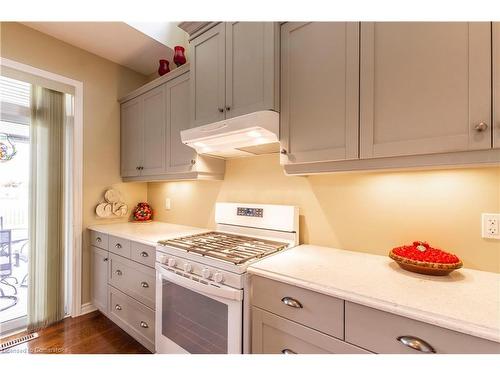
(188, 267)
(162, 258)
(171, 262)
(205, 272)
(218, 277)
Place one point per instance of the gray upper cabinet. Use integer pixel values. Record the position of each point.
(152, 118)
(207, 76)
(319, 91)
(425, 87)
(180, 158)
(235, 71)
(131, 137)
(251, 68)
(496, 84)
(153, 132)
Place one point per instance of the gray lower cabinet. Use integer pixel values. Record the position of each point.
(272, 334)
(152, 118)
(99, 280)
(123, 284)
(288, 319)
(387, 333)
(235, 71)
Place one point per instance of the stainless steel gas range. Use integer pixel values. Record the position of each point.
(202, 294)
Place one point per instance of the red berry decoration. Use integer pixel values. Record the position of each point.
(143, 212)
(420, 257)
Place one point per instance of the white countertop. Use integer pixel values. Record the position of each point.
(466, 301)
(147, 233)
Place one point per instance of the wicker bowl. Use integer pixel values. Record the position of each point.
(426, 268)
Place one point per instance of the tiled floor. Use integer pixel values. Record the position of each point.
(87, 334)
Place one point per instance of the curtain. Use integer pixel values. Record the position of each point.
(46, 216)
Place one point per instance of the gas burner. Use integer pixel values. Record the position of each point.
(227, 247)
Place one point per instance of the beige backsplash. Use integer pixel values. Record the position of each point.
(369, 212)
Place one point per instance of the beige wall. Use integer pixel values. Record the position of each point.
(369, 212)
(103, 83)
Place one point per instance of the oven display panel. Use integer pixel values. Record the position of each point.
(252, 212)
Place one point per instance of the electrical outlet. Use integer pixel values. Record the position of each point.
(167, 203)
(490, 226)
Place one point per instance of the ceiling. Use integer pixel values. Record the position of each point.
(118, 41)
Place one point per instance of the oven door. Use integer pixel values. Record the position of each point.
(195, 317)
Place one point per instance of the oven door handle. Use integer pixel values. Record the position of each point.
(222, 291)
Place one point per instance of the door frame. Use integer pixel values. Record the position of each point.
(74, 252)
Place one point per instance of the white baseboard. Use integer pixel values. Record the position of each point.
(87, 308)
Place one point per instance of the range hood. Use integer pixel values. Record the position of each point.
(256, 133)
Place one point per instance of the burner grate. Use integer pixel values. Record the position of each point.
(227, 247)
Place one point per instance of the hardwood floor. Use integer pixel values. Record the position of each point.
(92, 333)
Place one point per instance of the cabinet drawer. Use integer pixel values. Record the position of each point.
(119, 246)
(272, 334)
(315, 310)
(99, 240)
(134, 279)
(378, 331)
(143, 253)
(135, 318)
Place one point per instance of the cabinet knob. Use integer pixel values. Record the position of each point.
(144, 284)
(283, 151)
(105, 260)
(118, 246)
(193, 161)
(118, 272)
(482, 126)
(144, 324)
(98, 239)
(288, 351)
(228, 108)
(144, 254)
(118, 307)
(137, 168)
(292, 302)
(221, 109)
(416, 344)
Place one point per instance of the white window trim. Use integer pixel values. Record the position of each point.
(74, 302)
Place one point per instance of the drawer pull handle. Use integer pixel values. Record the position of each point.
(118, 246)
(144, 254)
(292, 302)
(105, 260)
(145, 284)
(144, 324)
(416, 344)
(118, 307)
(118, 272)
(98, 239)
(288, 351)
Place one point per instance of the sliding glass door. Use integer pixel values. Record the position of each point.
(14, 199)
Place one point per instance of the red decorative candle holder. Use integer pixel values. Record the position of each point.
(163, 68)
(179, 57)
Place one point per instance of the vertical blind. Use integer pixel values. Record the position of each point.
(14, 101)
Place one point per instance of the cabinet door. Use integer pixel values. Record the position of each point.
(496, 84)
(100, 278)
(319, 91)
(207, 76)
(272, 334)
(131, 137)
(251, 67)
(180, 158)
(425, 87)
(153, 159)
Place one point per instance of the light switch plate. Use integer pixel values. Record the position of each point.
(490, 226)
(167, 203)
